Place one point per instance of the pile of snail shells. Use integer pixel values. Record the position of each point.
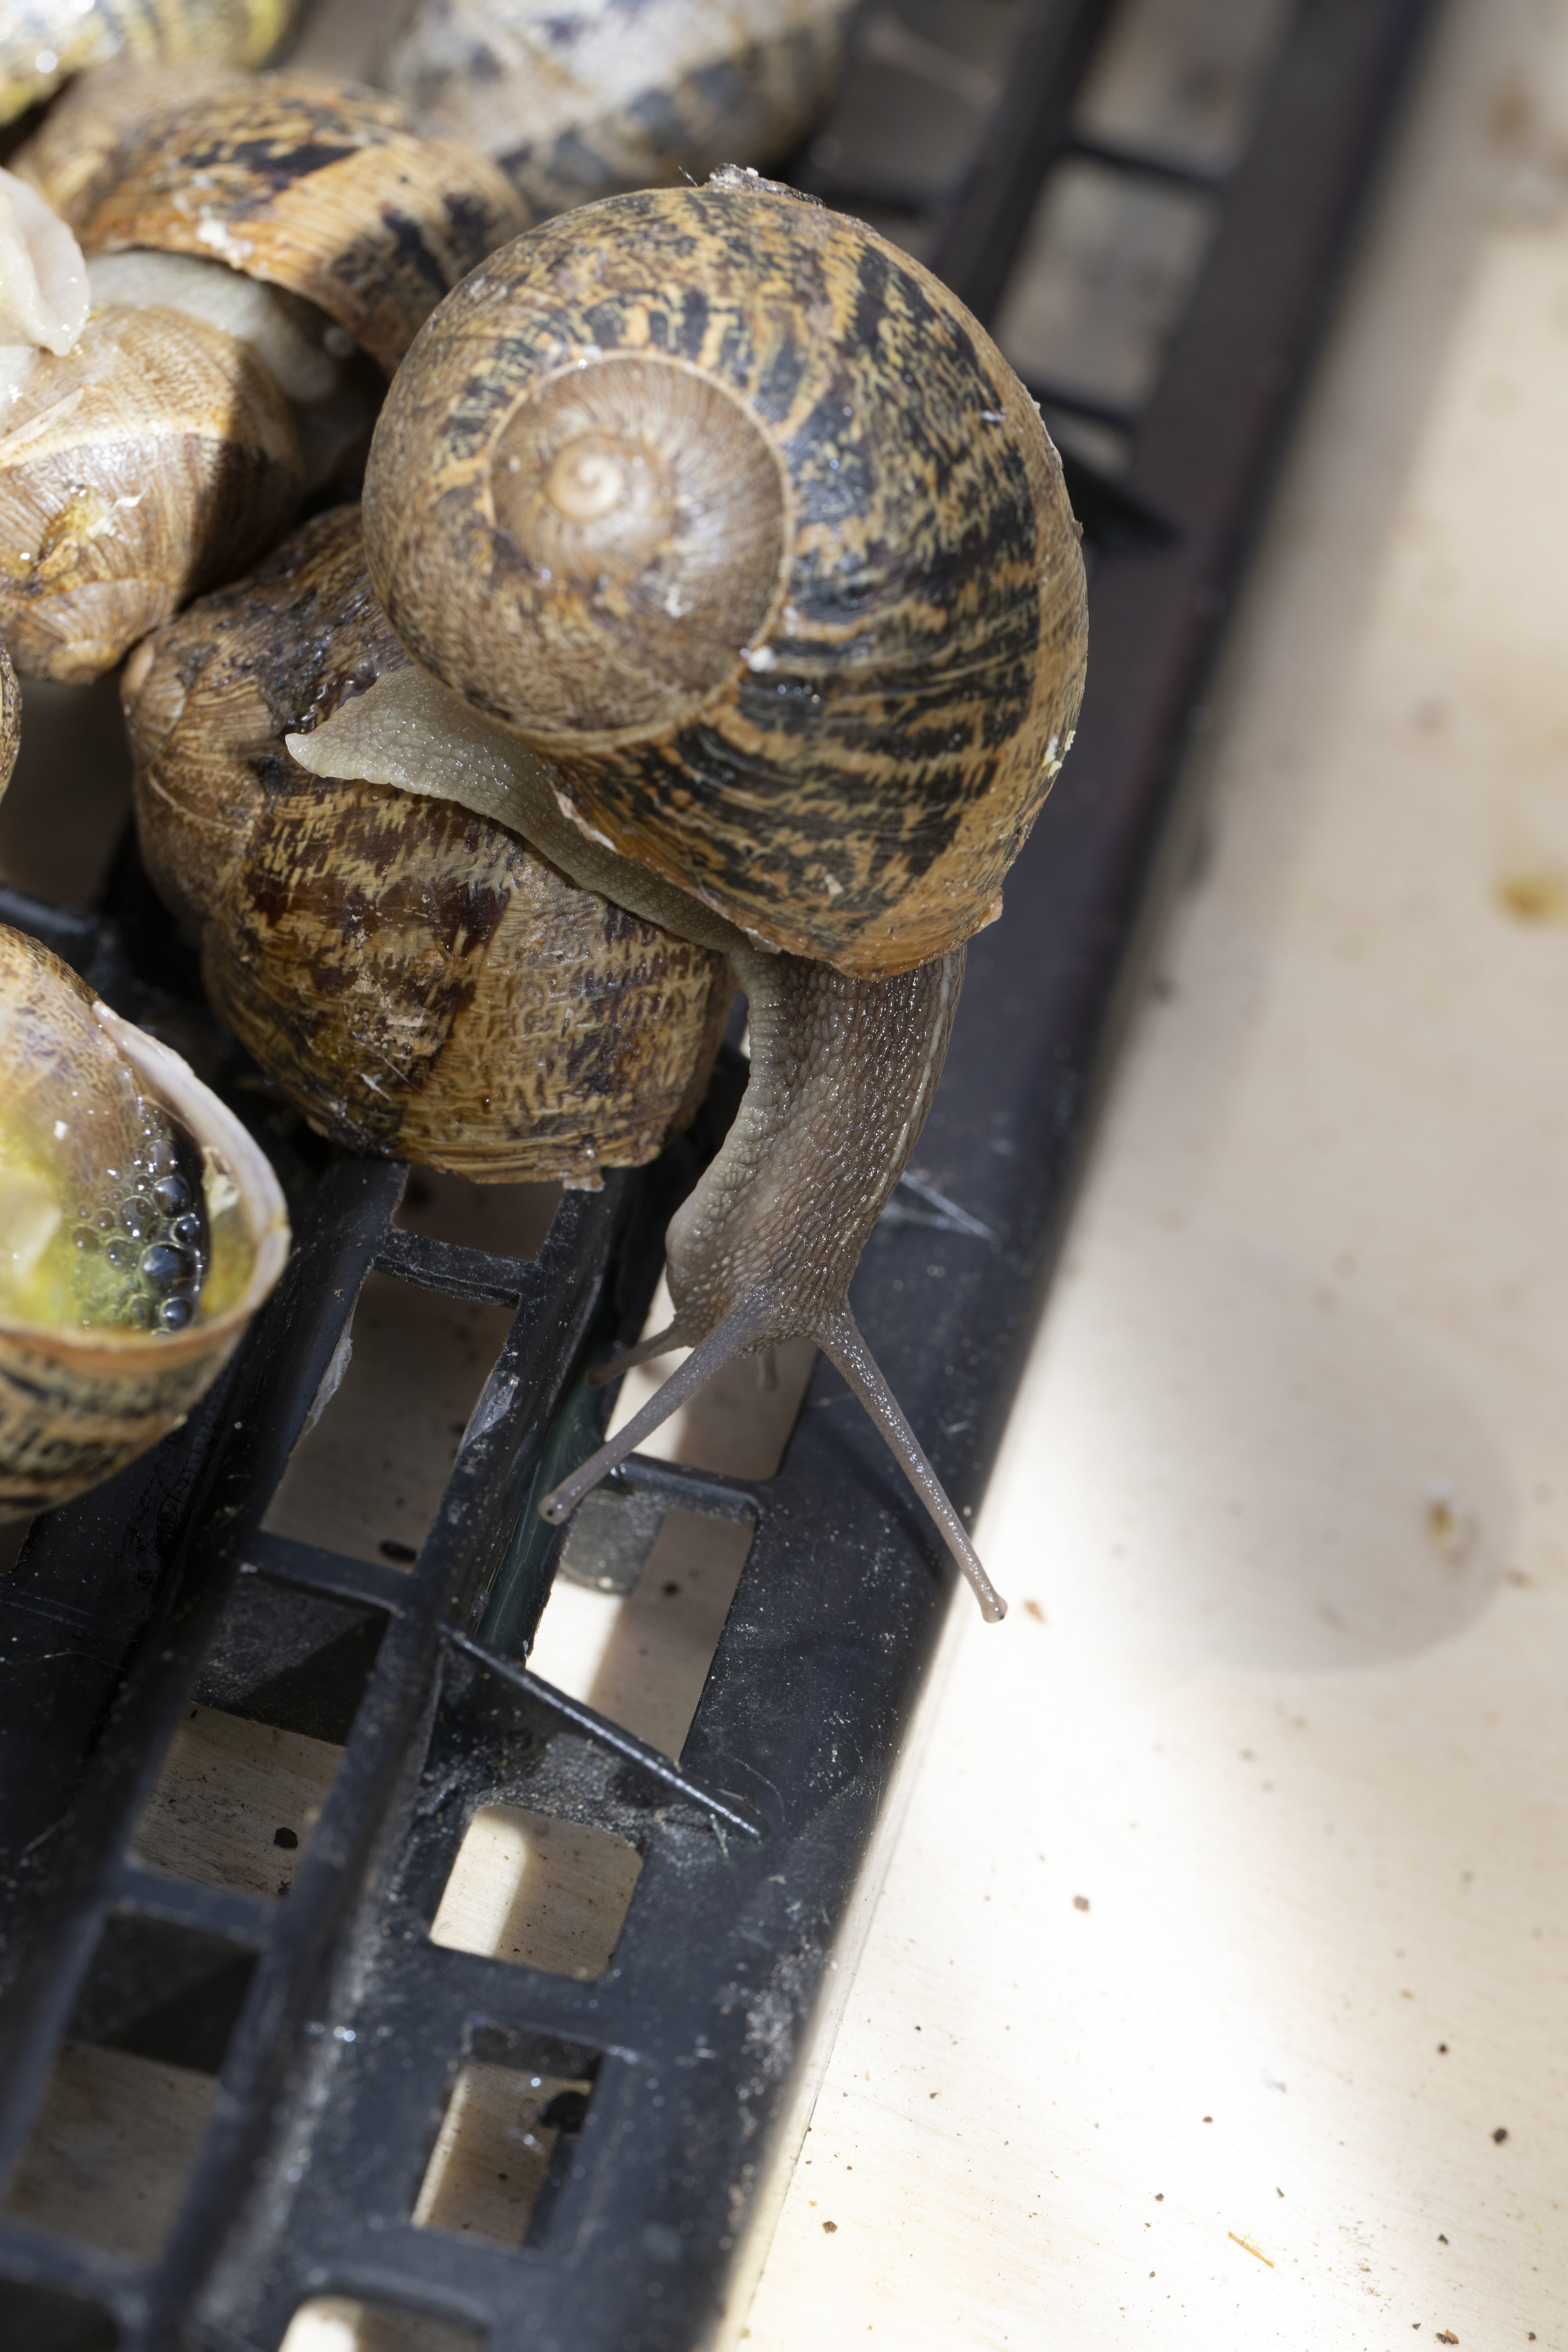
(78, 1402)
(44, 42)
(582, 99)
(259, 252)
(415, 977)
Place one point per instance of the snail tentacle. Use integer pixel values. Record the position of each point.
(733, 1338)
(842, 1344)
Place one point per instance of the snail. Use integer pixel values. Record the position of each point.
(247, 237)
(755, 556)
(580, 99)
(44, 41)
(416, 980)
(140, 1226)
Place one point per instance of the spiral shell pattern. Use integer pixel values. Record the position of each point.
(832, 704)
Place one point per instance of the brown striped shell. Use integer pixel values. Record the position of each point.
(741, 520)
(43, 42)
(321, 188)
(10, 718)
(154, 458)
(577, 100)
(77, 1403)
(415, 979)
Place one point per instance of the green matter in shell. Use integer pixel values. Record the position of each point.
(132, 1249)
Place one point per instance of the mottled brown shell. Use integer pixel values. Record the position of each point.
(314, 185)
(45, 41)
(76, 1405)
(734, 512)
(10, 718)
(415, 977)
(580, 102)
(154, 458)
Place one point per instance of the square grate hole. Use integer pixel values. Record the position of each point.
(339, 2322)
(44, 2319)
(1104, 273)
(507, 1220)
(1182, 75)
(542, 1893)
(248, 1770)
(367, 1479)
(500, 2155)
(643, 1660)
(129, 2096)
(235, 1803)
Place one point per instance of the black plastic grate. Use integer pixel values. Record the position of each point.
(335, 2026)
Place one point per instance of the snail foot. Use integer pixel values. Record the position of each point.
(838, 1337)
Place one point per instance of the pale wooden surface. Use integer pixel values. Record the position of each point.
(542, 1893)
(228, 1791)
(1286, 1483)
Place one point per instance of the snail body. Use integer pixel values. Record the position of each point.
(415, 979)
(45, 41)
(246, 236)
(736, 524)
(583, 99)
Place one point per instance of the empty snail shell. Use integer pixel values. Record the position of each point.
(246, 234)
(140, 1229)
(44, 41)
(581, 100)
(415, 977)
(313, 185)
(753, 550)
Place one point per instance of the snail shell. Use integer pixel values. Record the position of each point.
(77, 1403)
(43, 41)
(155, 457)
(735, 513)
(418, 982)
(313, 185)
(582, 100)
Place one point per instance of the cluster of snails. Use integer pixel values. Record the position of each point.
(714, 616)
(714, 599)
(205, 276)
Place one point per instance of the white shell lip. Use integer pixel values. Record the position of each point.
(43, 293)
(222, 1136)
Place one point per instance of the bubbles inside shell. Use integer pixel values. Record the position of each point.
(131, 1250)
